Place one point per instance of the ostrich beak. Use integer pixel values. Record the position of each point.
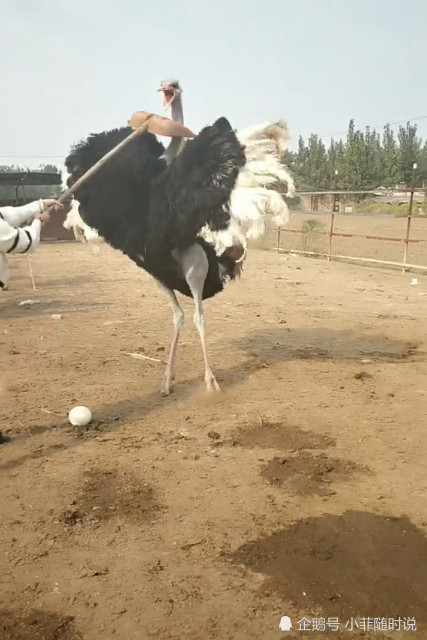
(168, 96)
(159, 126)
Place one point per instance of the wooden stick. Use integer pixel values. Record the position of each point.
(139, 356)
(337, 256)
(31, 273)
(101, 162)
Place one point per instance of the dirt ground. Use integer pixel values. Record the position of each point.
(299, 490)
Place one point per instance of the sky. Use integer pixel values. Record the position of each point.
(74, 67)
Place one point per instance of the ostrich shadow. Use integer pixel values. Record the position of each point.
(270, 346)
(284, 345)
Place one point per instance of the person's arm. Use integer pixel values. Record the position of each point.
(21, 240)
(16, 216)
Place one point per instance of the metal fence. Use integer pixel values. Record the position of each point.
(405, 240)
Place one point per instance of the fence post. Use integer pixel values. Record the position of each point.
(409, 218)
(331, 234)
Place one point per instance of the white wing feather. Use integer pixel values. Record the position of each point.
(82, 231)
(257, 194)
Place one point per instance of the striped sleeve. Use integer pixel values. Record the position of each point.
(19, 240)
(16, 216)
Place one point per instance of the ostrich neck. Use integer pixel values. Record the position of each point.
(177, 111)
(176, 144)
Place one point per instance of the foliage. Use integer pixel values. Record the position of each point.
(396, 209)
(364, 160)
(309, 236)
(13, 168)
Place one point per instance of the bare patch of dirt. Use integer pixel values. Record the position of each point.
(356, 564)
(279, 435)
(152, 490)
(279, 344)
(36, 625)
(108, 494)
(306, 473)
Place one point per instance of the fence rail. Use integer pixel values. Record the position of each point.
(406, 241)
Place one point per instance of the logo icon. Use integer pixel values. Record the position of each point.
(285, 623)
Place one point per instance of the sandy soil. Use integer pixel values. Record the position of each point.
(300, 490)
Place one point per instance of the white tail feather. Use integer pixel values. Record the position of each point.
(249, 206)
(257, 194)
(266, 138)
(222, 240)
(82, 232)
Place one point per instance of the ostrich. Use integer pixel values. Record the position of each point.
(153, 209)
(257, 189)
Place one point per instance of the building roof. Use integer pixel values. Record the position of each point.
(33, 178)
(27, 186)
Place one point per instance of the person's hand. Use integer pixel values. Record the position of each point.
(43, 217)
(51, 202)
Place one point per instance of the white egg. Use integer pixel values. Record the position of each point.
(80, 416)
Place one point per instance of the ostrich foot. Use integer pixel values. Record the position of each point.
(167, 386)
(166, 390)
(211, 383)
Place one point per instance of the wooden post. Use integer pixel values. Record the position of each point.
(406, 241)
(278, 238)
(331, 234)
(31, 273)
(409, 218)
(336, 198)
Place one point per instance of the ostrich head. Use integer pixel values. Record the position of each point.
(171, 91)
(172, 100)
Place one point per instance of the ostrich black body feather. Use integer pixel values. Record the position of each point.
(149, 210)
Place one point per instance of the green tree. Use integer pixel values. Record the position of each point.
(336, 162)
(423, 166)
(48, 168)
(408, 152)
(317, 169)
(354, 163)
(12, 168)
(389, 159)
(371, 167)
(301, 164)
(364, 160)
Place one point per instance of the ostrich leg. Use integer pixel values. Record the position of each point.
(195, 266)
(199, 321)
(178, 321)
